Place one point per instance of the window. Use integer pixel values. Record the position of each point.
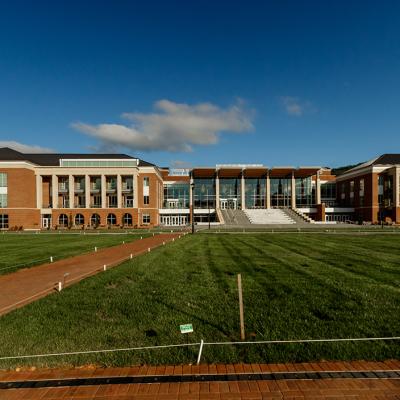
(111, 219)
(95, 220)
(3, 179)
(96, 201)
(146, 181)
(3, 221)
(79, 219)
(146, 200)
(63, 220)
(112, 201)
(127, 219)
(3, 200)
(361, 192)
(146, 218)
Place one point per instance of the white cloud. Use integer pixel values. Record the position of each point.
(297, 107)
(172, 127)
(24, 148)
(179, 164)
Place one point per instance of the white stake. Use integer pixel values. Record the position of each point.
(59, 286)
(141, 237)
(163, 243)
(51, 259)
(131, 256)
(95, 249)
(148, 250)
(200, 351)
(105, 267)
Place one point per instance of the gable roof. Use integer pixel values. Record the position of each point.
(53, 159)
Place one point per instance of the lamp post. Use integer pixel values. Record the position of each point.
(192, 205)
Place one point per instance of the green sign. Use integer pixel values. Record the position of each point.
(186, 328)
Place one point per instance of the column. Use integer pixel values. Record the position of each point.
(243, 192)
(103, 191)
(39, 191)
(318, 190)
(54, 191)
(268, 199)
(293, 191)
(135, 191)
(217, 205)
(71, 190)
(396, 187)
(119, 191)
(87, 191)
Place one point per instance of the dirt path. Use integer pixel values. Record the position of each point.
(325, 380)
(27, 285)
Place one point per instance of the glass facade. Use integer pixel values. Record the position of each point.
(230, 190)
(281, 191)
(176, 195)
(204, 193)
(328, 193)
(304, 192)
(255, 192)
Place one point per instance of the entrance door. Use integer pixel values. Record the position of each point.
(46, 222)
(223, 204)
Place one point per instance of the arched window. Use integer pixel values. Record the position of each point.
(63, 220)
(79, 219)
(128, 219)
(111, 219)
(95, 220)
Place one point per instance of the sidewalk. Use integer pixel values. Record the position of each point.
(324, 380)
(27, 285)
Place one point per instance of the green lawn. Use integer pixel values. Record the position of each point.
(27, 250)
(296, 286)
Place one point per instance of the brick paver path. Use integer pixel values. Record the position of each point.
(219, 388)
(27, 285)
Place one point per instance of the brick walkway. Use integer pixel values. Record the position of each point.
(192, 382)
(27, 285)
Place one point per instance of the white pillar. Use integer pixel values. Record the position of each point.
(39, 191)
(87, 191)
(268, 199)
(71, 190)
(318, 190)
(119, 191)
(243, 192)
(135, 191)
(190, 193)
(217, 205)
(103, 191)
(54, 191)
(293, 191)
(396, 187)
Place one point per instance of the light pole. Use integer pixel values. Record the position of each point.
(192, 205)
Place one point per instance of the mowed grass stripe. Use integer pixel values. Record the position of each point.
(292, 289)
(27, 250)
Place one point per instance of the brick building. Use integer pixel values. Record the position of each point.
(40, 191)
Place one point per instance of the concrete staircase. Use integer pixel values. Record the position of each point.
(271, 216)
(234, 217)
(302, 218)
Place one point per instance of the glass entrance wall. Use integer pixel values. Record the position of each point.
(176, 195)
(304, 192)
(255, 192)
(204, 193)
(230, 190)
(281, 191)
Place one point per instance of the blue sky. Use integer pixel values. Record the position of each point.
(200, 83)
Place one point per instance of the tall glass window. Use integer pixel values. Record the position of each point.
(230, 190)
(204, 193)
(176, 195)
(304, 192)
(3, 179)
(281, 191)
(328, 193)
(255, 192)
(3, 190)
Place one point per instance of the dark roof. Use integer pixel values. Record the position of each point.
(53, 159)
(386, 159)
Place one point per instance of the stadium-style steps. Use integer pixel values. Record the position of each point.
(297, 216)
(235, 217)
(271, 216)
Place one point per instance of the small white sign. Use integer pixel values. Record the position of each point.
(186, 328)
